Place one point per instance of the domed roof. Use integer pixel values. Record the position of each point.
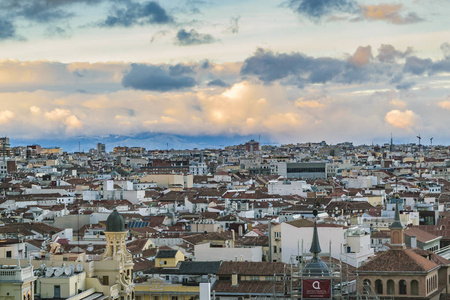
(115, 222)
(316, 267)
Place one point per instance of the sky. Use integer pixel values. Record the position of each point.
(286, 70)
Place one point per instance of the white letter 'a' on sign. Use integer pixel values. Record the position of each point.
(316, 285)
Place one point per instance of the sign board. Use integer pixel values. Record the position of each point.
(316, 288)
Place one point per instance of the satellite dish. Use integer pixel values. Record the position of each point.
(49, 272)
(79, 267)
(59, 272)
(72, 267)
(67, 271)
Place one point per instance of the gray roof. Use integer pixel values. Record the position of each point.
(166, 253)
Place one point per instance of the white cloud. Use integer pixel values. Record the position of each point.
(402, 119)
(6, 116)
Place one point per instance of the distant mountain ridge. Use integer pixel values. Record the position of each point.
(150, 141)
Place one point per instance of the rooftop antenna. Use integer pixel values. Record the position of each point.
(419, 141)
(79, 147)
(431, 141)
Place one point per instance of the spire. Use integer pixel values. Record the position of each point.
(315, 267)
(315, 246)
(397, 223)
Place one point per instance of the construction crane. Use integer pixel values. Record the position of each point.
(431, 141)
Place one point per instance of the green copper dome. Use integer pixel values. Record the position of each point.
(115, 222)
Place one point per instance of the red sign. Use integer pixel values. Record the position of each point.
(316, 288)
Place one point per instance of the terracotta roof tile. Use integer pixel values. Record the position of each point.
(398, 260)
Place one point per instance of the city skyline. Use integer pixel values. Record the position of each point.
(291, 71)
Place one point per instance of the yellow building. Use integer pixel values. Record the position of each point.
(158, 289)
(168, 258)
(116, 263)
(17, 282)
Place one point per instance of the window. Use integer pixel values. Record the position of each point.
(366, 286)
(390, 287)
(414, 287)
(8, 254)
(105, 280)
(165, 262)
(402, 287)
(274, 249)
(379, 286)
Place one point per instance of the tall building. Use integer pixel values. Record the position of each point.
(101, 148)
(5, 149)
(252, 146)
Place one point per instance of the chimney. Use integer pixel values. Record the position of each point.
(413, 242)
(234, 279)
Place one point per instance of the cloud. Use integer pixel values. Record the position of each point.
(402, 119)
(7, 29)
(389, 13)
(218, 82)
(57, 31)
(73, 122)
(445, 47)
(135, 13)
(302, 103)
(300, 70)
(444, 104)
(57, 114)
(192, 37)
(269, 67)
(316, 9)
(180, 69)
(387, 53)
(234, 25)
(155, 78)
(417, 66)
(35, 110)
(362, 56)
(6, 116)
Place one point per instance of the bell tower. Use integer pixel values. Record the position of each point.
(397, 229)
(116, 264)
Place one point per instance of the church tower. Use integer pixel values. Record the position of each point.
(396, 228)
(116, 263)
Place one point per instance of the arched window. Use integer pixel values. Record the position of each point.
(366, 286)
(390, 287)
(402, 287)
(379, 286)
(414, 287)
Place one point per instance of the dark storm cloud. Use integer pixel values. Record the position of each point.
(137, 14)
(299, 69)
(41, 11)
(218, 82)
(316, 9)
(269, 67)
(192, 37)
(180, 69)
(7, 30)
(155, 78)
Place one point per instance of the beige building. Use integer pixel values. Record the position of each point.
(17, 282)
(400, 272)
(172, 181)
